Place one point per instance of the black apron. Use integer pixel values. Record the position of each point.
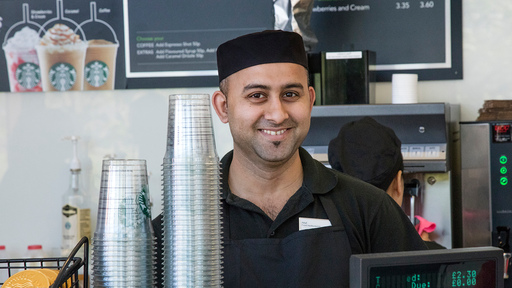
(309, 258)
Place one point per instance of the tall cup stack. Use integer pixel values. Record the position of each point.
(191, 196)
(124, 241)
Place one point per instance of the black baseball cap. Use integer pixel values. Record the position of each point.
(367, 150)
(269, 46)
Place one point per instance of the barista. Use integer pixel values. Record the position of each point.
(288, 220)
(372, 152)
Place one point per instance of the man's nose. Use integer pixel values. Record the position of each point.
(276, 111)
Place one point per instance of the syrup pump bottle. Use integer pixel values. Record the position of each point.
(76, 217)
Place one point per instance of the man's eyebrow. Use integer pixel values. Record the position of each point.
(266, 87)
(256, 86)
(294, 85)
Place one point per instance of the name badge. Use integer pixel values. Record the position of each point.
(313, 223)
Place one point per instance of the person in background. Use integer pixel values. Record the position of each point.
(289, 221)
(372, 152)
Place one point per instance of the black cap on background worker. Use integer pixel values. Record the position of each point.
(371, 152)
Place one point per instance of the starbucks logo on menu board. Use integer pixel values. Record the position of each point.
(96, 73)
(62, 76)
(28, 75)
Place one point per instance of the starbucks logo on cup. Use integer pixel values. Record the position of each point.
(144, 204)
(96, 73)
(28, 75)
(62, 76)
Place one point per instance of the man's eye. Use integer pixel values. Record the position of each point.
(256, 96)
(290, 95)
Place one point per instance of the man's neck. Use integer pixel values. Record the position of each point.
(267, 186)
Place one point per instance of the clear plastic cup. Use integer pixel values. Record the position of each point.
(190, 128)
(123, 206)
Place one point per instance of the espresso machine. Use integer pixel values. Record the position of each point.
(430, 142)
(486, 182)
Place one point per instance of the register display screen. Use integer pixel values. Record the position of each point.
(470, 274)
(445, 268)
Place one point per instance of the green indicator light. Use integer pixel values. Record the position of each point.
(503, 159)
(503, 181)
(503, 170)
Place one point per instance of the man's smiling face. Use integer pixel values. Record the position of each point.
(269, 110)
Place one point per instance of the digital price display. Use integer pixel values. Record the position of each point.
(446, 268)
(469, 274)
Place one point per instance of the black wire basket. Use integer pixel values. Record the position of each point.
(69, 267)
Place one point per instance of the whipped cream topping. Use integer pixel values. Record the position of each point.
(60, 35)
(24, 39)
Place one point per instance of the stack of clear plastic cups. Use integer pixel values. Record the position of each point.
(191, 196)
(123, 242)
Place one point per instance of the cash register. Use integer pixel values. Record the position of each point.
(476, 267)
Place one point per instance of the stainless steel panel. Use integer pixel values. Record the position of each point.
(475, 184)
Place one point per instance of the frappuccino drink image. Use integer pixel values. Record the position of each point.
(100, 65)
(61, 55)
(22, 62)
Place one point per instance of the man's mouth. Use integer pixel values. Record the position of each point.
(273, 132)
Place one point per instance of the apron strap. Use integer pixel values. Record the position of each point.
(225, 219)
(332, 212)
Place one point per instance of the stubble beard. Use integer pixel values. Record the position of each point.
(271, 152)
(274, 152)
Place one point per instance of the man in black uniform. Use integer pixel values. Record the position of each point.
(372, 152)
(288, 220)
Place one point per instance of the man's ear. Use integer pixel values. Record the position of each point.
(396, 188)
(400, 189)
(312, 96)
(220, 104)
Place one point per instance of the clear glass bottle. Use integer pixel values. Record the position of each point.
(76, 217)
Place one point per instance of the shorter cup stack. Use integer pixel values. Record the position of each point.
(123, 243)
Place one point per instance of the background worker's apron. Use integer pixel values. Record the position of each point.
(309, 258)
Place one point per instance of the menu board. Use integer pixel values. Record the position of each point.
(420, 36)
(58, 45)
(77, 45)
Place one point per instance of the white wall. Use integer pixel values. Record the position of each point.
(34, 160)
